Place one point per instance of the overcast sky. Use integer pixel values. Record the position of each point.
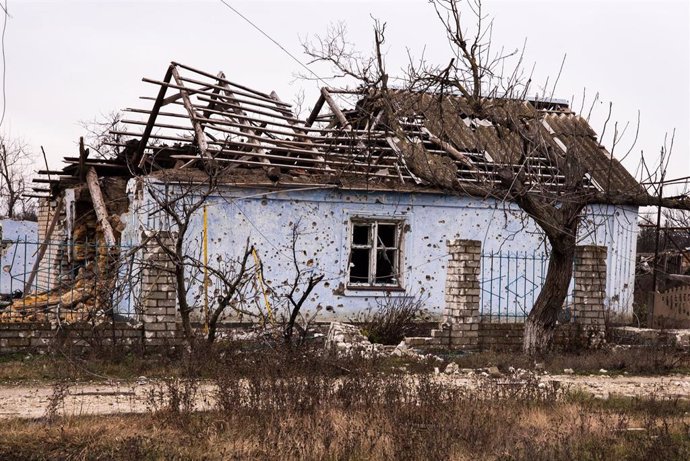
(71, 61)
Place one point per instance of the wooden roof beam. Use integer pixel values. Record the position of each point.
(198, 127)
(139, 159)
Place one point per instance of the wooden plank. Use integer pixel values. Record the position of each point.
(221, 80)
(224, 80)
(211, 105)
(44, 245)
(248, 133)
(335, 109)
(298, 131)
(297, 167)
(139, 157)
(99, 206)
(315, 111)
(273, 122)
(257, 147)
(83, 154)
(278, 106)
(68, 179)
(177, 96)
(198, 92)
(251, 110)
(450, 149)
(198, 128)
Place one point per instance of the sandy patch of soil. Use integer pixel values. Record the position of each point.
(32, 400)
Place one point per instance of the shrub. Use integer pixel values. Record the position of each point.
(394, 318)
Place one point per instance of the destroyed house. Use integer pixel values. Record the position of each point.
(339, 192)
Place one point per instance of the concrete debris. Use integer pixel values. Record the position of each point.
(452, 369)
(401, 350)
(494, 372)
(347, 340)
(679, 338)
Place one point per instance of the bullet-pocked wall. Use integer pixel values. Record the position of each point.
(330, 222)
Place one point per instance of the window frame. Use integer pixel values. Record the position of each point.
(372, 223)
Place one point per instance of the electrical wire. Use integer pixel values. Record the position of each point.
(4, 63)
(249, 21)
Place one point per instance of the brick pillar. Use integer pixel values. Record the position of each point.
(461, 317)
(49, 267)
(588, 307)
(158, 296)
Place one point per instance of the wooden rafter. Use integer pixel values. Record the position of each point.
(236, 109)
(139, 158)
(201, 141)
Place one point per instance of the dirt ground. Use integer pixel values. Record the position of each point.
(31, 401)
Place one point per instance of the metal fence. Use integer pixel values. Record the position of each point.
(510, 284)
(72, 281)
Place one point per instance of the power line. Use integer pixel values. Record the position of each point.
(4, 67)
(274, 41)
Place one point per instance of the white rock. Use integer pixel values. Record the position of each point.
(452, 368)
(494, 372)
(569, 371)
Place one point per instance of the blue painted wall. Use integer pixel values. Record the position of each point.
(322, 215)
(18, 253)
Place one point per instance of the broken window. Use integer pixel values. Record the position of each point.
(374, 253)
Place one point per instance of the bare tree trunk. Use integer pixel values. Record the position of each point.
(541, 322)
(181, 282)
(182, 302)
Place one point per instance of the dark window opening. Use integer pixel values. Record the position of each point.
(374, 253)
(359, 266)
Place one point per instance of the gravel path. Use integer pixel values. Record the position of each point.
(31, 400)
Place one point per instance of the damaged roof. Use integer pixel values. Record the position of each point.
(346, 139)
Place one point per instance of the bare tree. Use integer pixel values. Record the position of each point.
(304, 281)
(232, 282)
(475, 82)
(104, 133)
(15, 165)
(179, 201)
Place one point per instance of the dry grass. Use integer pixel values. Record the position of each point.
(633, 360)
(126, 365)
(294, 405)
(450, 429)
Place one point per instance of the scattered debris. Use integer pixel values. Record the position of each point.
(452, 369)
(346, 339)
(494, 372)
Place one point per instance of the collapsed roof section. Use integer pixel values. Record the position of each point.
(197, 116)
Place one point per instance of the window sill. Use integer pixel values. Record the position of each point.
(354, 289)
